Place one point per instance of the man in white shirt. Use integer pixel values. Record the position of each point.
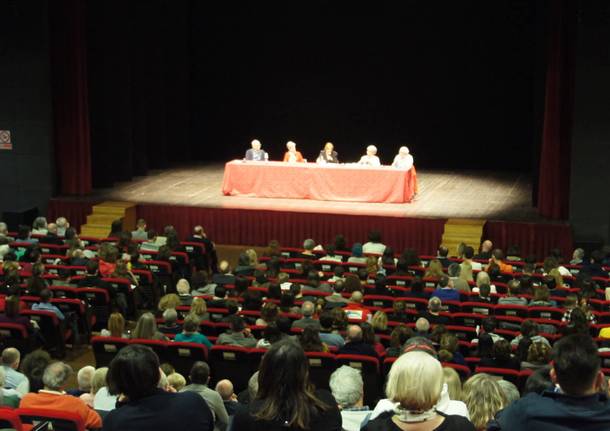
(10, 363)
(403, 159)
(370, 158)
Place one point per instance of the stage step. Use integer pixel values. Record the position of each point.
(457, 231)
(99, 222)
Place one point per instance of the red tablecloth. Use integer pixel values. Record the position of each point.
(355, 183)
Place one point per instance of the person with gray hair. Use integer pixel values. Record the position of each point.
(39, 226)
(454, 271)
(307, 321)
(4, 232)
(308, 247)
(370, 158)
(347, 387)
(53, 397)
(433, 313)
(84, 377)
(511, 393)
(169, 326)
(403, 159)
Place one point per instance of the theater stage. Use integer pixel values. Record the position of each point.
(190, 195)
(442, 194)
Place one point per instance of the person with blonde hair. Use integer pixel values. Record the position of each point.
(146, 329)
(434, 270)
(176, 381)
(415, 383)
(453, 382)
(484, 398)
(380, 321)
(199, 308)
(466, 271)
(183, 287)
(292, 155)
(328, 155)
(116, 326)
(483, 278)
(171, 300)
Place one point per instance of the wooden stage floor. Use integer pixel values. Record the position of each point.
(442, 194)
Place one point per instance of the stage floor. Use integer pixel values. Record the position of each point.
(442, 194)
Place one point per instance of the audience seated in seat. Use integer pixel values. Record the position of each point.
(347, 387)
(229, 398)
(576, 370)
(190, 332)
(285, 397)
(134, 375)
(52, 397)
(355, 344)
(484, 398)
(432, 314)
(513, 298)
(445, 291)
(307, 310)
(146, 329)
(237, 335)
(200, 377)
(415, 391)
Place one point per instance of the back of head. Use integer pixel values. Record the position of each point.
(56, 376)
(443, 251)
(134, 372)
(454, 270)
(539, 381)
(484, 290)
(356, 297)
(170, 316)
(484, 398)
(307, 309)
(354, 333)
(435, 304)
(309, 244)
(422, 325)
(237, 323)
(443, 281)
(10, 356)
(225, 389)
(200, 373)
(468, 252)
(347, 386)
(576, 364)
(510, 391)
(146, 327)
(191, 323)
(84, 377)
(415, 382)
(283, 387)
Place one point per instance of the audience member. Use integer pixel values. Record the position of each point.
(229, 398)
(146, 329)
(200, 377)
(355, 345)
(484, 398)
(445, 291)
(347, 387)
(237, 335)
(285, 398)
(432, 313)
(53, 397)
(134, 375)
(190, 333)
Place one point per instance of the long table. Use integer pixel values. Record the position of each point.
(330, 182)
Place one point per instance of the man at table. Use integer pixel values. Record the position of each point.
(403, 159)
(256, 153)
(292, 155)
(370, 157)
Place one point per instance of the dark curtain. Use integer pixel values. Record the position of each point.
(533, 239)
(138, 75)
(70, 97)
(554, 176)
(76, 211)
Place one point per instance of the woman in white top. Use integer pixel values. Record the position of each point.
(403, 159)
(370, 157)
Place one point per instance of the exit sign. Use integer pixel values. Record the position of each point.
(5, 140)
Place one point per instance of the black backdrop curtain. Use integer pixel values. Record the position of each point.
(138, 86)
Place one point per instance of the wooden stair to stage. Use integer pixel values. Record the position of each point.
(98, 224)
(457, 231)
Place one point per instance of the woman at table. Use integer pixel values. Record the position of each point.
(292, 155)
(328, 155)
(403, 159)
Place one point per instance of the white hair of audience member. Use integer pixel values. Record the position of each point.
(183, 287)
(256, 144)
(3, 228)
(403, 151)
(371, 149)
(84, 377)
(99, 379)
(40, 223)
(347, 386)
(415, 381)
(253, 386)
(62, 225)
(56, 375)
(170, 315)
(510, 391)
(291, 146)
(579, 253)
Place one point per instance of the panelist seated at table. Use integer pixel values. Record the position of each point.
(403, 159)
(256, 153)
(292, 155)
(370, 157)
(328, 155)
